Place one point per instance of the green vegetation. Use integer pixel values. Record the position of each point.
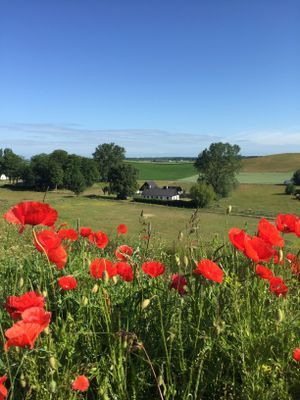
(141, 339)
(273, 163)
(108, 156)
(163, 171)
(218, 166)
(202, 194)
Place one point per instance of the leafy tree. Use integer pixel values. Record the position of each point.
(12, 165)
(73, 178)
(47, 173)
(107, 156)
(202, 194)
(89, 170)
(218, 166)
(290, 188)
(296, 177)
(122, 180)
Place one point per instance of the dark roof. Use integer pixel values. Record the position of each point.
(160, 192)
(178, 188)
(150, 184)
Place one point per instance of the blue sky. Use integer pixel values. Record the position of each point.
(159, 77)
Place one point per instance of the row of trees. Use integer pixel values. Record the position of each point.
(217, 168)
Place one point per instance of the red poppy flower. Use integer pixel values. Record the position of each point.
(69, 234)
(277, 286)
(31, 213)
(297, 227)
(99, 265)
(122, 229)
(99, 238)
(3, 390)
(286, 222)
(209, 270)
(123, 252)
(258, 250)
(269, 233)
(264, 272)
(296, 354)
(85, 232)
(67, 282)
(153, 268)
(237, 237)
(178, 283)
(125, 271)
(25, 332)
(81, 383)
(291, 257)
(50, 242)
(15, 305)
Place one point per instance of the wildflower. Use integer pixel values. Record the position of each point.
(69, 234)
(25, 332)
(153, 268)
(67, 282)
(277, 286)
(178, 283)
(123, 252)
(15, 305)
(99, 238)
(209, 270)
(3, 390)
(258, 250)
(81, 383)
(237, 237)
(125, 271)
(122, 229)
(101, 265)
(296, 354)
(269, 233)
(264, 272)
(31, 213)
(85, 232)
(49, 242)
(286, 222)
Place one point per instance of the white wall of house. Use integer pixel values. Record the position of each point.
(163, 197)
(3, 177)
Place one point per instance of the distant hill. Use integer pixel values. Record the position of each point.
(275, 163)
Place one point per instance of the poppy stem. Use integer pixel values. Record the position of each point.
(153, 372)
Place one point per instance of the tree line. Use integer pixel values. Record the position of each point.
(217, 168)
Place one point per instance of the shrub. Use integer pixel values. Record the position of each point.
(296, 177)
(202, 194)
(290, 188)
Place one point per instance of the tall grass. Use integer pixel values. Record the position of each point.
(142, 340)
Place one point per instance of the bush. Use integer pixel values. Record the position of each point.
(202, 194)
(290, 188)
(296, 177)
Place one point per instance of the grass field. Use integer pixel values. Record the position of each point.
(249, 202)
(272, 178)
(262, 170)
(273, 163)
(163, 171)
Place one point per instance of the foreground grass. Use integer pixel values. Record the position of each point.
(231, 341)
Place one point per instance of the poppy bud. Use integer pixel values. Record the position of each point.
(52, 386)
(145, 304)
(186, 261)
(52, 362)
(280, 255)
(21, 282)
(177, 259)
(45, 293)
(180, 236)
(95, 288)
(228, 209)
(85, 300)
(105, 276)
(23, 382)
(47, 330)
(114, 279)
(280, 316)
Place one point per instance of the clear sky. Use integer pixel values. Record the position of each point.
(159, 77)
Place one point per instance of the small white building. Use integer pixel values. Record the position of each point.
(3, 177)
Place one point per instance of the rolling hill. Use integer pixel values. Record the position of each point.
(287, 162)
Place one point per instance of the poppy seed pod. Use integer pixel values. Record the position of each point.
(145, 304)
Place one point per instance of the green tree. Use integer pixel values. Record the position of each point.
(73, 177)
(123, 180)
(12, 165)
(202, 194)
(290, 188)
(218, 166)
(296, 177)
(107, 156)
(89, 170)
(47, 173)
